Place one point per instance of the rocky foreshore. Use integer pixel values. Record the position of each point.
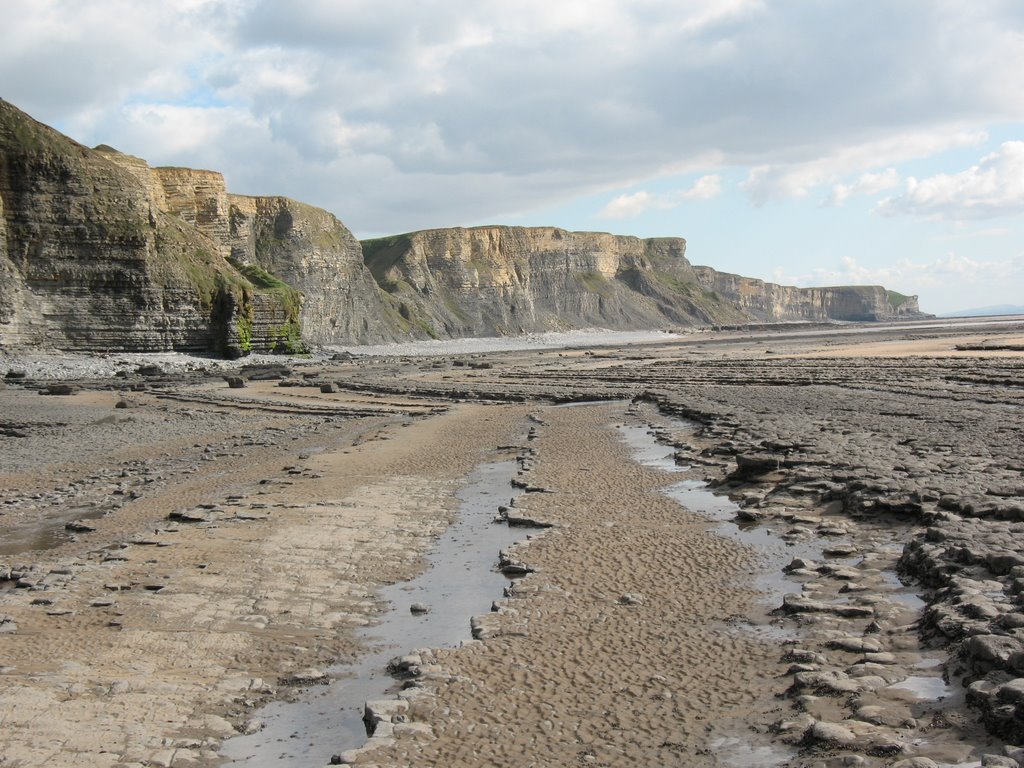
(853, 598)
(905, 472)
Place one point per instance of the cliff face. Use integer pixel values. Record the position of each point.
(86, 261)
(768, 302)
(510, 280)
(311, 250)
(305, 247)
(99, 251)
(507, 280)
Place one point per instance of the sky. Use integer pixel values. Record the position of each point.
(807, 142)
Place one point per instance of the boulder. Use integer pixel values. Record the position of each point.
(752, 465)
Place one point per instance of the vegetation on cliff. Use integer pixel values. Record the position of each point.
(285, 337)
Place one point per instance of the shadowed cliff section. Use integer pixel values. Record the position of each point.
(101, 252)
(498, 280)
(311, 250)
(92, 260)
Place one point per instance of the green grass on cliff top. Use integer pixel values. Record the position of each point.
(896, 298)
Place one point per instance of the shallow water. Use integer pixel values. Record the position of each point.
(593, 337)
(459, 582)
(771, 581)
(646, 450)
(775, 553)
(696, 496)
(901, 593)
(734, 751)
(45, 531)
(925, 688)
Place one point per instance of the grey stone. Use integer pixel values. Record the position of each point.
(998, 761)
(304, 677)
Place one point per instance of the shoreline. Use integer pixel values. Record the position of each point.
(45, 365)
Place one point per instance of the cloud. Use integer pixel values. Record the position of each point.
(445, 113)
(950, 268)
(183, 130)
(777, 181)
(705, 188)
(628, 206)
(60, 57)
(632, 205)
(992, 188)
(866, 184)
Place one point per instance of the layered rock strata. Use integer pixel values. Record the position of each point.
(93, 260)
(309, 249)
(99, 251)
(773, 303)
(509, 280)
(305, 247)
(87, 261)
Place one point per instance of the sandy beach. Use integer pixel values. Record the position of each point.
(746, 548)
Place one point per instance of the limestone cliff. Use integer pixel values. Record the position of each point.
(512, 280)
(86, 261)
(769, 302)
(508, 280)
(100, 251)
(304, 247)
(311, 250)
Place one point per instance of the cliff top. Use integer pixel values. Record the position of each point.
(20, 131)
(518, 228)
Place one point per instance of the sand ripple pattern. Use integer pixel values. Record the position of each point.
(615, 650)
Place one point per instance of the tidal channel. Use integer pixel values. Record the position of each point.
(460, 581)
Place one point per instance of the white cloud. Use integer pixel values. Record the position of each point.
(632, 205)
(61, 56)
(628, 206)
(948, 270)
(183, 130)
(446, 113)
(994, 187)
(778, 181)
(866, 184)
(705, 188)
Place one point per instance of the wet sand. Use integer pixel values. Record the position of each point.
(233, 541)
(151, 638)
